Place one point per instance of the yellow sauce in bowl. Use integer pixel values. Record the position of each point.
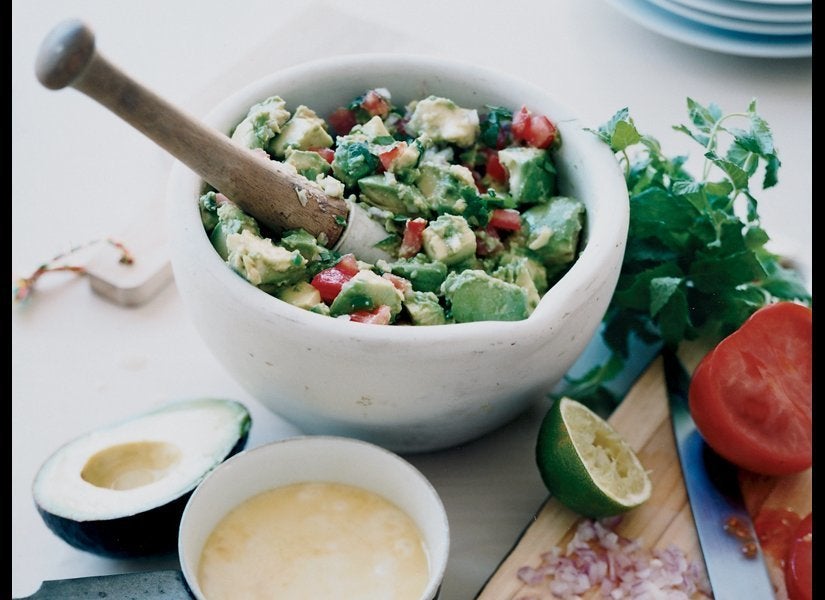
(314, 540)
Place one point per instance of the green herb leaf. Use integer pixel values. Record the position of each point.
(694, 265)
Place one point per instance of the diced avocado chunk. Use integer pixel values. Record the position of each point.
(406, 159)
(303, 131)
(262, 123)
(302, 294)
(449, 239)
(366, 291)
(208, 206)
(531, 173)
(307, 163)
(231, 220)
(303, 242)
(384, 191)
(537, 271)
(353, 160)
(374, 128)
(553, 231)
(445, 186)
(261, 262)
(424, 274)
(444, 121)
(424, 309)
(518, 272)
(473, 295)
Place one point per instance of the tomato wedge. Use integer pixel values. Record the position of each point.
(799, 562)
(751, 396)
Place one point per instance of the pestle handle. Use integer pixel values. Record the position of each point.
(265, 189)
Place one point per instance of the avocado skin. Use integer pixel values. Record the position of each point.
(152, 532)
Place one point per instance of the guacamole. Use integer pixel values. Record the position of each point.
(476, 227)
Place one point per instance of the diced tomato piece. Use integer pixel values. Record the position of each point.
(375, 104)
(506, 219)
(494, 168)
(390, 155)
(220, 199)
(378, 316)
(521, 124)
(329, 281)
(328, 154)
(342, 120)
(542, 132)
(535, 130)
(402, 285)
(488, 241)
(413, 236)
(348, 264)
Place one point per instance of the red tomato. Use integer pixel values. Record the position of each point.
(378, 316)
(535, 130)
(328, 154)
(799, 562)
(390, 155)
(494, 169)
(506, 219)
(751, 396)
(342, 120)
(375, 104)
(413, 236)
(329, 281)
(774, 528)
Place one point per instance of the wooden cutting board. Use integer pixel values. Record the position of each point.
(644, 421)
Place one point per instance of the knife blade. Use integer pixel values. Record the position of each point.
(168, 584)
(715, 499)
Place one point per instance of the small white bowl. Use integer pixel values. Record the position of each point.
(409, 389)
(314, 459)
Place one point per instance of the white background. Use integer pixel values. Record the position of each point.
(78, 174)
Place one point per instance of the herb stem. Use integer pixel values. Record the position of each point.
(711, 145)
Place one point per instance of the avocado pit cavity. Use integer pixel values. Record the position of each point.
(130, 466)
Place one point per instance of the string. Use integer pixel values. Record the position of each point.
(23, 287)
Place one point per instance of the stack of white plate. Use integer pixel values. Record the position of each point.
(767, 28)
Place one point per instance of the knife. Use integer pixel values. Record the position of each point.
(169, 585)
(715, 499)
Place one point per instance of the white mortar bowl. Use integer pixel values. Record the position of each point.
(408, 389)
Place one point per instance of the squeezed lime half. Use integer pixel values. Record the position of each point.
(586, 464)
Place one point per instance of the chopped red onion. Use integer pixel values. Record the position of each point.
(615, 567)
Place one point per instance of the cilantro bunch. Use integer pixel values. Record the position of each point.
(695, 264)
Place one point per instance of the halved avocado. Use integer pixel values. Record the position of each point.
(120, 491)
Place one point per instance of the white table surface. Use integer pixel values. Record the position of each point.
(79, 173)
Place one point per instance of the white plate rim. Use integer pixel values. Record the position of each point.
(753, 12)
(711, 38)
(732, 24)
(797, 3)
